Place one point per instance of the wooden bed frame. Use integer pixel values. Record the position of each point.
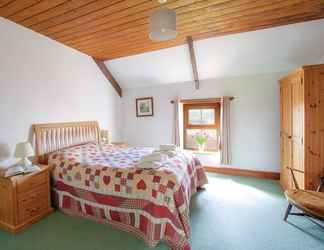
(51, 137)
(148, 221)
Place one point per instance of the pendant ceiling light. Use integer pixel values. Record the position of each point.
(163, 24)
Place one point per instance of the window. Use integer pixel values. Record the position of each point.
(201, 118)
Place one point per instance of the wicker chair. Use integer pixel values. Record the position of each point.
(311, 203)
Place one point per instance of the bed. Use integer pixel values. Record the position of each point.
(102, 182)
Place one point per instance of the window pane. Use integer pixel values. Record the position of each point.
(201, 116)
(194, 116)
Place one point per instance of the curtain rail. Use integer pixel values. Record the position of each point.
(207, 100)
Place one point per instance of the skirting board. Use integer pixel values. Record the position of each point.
(243, 172)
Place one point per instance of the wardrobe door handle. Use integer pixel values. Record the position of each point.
(289, 137)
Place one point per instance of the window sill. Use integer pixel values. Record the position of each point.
(206, 158)
(197, 152)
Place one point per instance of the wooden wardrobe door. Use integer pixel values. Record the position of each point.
(321, 124)
(315, 129)
(285, 133)
(298, 129)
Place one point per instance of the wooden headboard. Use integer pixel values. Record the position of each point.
(51, 137)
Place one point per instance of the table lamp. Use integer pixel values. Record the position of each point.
(23, 151)
(104, 134)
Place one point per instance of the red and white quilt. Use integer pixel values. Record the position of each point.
(103, 182)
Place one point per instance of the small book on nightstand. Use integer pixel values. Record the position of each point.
(17, 170)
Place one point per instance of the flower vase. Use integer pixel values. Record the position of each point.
(201, 147)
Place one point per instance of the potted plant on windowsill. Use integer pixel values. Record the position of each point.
(201, 139)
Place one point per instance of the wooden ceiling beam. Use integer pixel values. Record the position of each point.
(141, 35)
(193, 61)
(102, 66)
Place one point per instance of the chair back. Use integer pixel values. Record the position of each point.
(294, 177)
(320, 186)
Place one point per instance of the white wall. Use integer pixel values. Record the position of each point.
(247, 53)
(44, 81)
(254, 116)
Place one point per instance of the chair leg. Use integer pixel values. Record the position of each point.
(287, 211)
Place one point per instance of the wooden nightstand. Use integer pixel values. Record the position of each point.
(120, 144)
(25, 199)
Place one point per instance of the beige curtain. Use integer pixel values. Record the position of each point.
(225, 131)
(177, 123)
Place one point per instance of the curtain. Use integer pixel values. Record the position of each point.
(177, 123)
(225, 131)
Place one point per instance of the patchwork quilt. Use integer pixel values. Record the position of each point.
(104, 183)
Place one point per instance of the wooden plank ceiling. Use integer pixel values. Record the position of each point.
(108, 29)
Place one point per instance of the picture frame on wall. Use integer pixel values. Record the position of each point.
(144, 106)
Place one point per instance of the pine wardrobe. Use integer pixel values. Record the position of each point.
(302, 127)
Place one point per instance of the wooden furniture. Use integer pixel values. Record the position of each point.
(302, 127)
(71, 195)
(311, 203)
(25, 199)
(51, 137)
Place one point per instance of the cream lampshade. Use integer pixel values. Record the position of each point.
(23, 151)
(104, 134)
(163, 25)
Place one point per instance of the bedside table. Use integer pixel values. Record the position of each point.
(25, 199)
(120, 144)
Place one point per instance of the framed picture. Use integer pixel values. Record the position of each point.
(144, 106)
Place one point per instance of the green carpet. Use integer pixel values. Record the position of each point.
(232, 213)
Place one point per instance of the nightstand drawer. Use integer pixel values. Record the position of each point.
(39, 193)
(26, 184)
(32, 209)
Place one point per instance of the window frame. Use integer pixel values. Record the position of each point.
(186, 125)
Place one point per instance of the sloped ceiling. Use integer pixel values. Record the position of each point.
(109, 29)
(264, 51)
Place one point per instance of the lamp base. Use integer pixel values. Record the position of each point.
(25, 162)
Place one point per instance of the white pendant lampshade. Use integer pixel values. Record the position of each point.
(163, 25)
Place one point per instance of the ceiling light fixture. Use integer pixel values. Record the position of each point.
(163, 24)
